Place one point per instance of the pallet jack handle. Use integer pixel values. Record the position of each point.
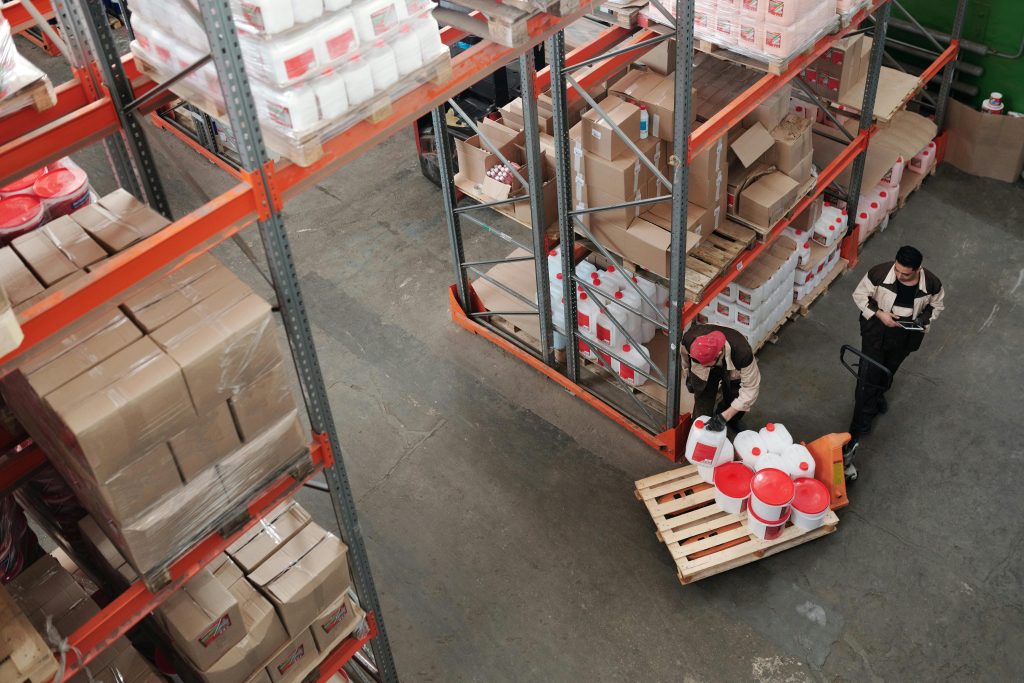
(854, 367)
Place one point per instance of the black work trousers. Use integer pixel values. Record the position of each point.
(889, 346)
(705, 394)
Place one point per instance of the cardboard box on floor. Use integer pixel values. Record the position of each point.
(303, 576)
(203, 619)
(985, 145)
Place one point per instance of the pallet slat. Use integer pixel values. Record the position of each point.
(704, 540)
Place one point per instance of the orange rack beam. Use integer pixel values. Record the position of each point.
(132, 606)
(19, 18)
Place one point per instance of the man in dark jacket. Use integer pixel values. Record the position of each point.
(716, 357)
(898, 301)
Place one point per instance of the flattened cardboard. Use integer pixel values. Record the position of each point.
(203, 619)
(303, 576)
(882, 155)
(598, 136)
(985, 145)
(752, 145)
(17, 280)
(206, 442)
(72, 240)
(265, 401)
(336, 623)
(765, 201)
(140, 484)
(294, 660)
(271, 532)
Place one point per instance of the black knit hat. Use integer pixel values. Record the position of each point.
(910, 257)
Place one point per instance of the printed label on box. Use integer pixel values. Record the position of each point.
(383, 19)
(216, 630)
(339, 45)
(293, 658)
(339, 615)
(253, 15)
(299, 64)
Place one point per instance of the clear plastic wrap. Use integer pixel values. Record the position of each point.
(16, 73)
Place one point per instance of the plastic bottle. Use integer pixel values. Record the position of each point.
(332, 95)
(645, 119)
(647, 327)
(635, 359)
(407, 51)
(750, 447)
(292, 110)
(307, 10)
(706, 441)
(558, 320)
(630, 321)
(358, 80)
(776, 437)
(994, 104)
(584, 269)
(383, 66)
(268, 16)
(554, 262)
(798, 461)
(335, 5)
(769, 461)
(429, 35)
(336, 38)
(586, 315)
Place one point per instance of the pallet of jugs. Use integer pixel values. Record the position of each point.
(773, 481)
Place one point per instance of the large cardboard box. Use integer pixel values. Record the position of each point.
(753, 145)
(698, 219)
(598, 136)
(336, 622)
(140, 484)
(103, 550)
(792, 143)
(621, 178)
(303, 576)
(802, 171)
(806, 219)
(839, 69)
(295, 659)
(221, 345)
(770, 112)
(171, 296)
(210, 439)
(203, 620)
(43, 258)
(475, 158)
(16, 279)
(643, 243)
(124, 207)
(985, 145)
(661, 59)
(521, 209)
(273, 531)
(767, 200)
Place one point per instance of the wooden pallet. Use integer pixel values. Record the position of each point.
(803, 306)
(703, 539)
(776, 67)
(308, 149)
(30, 88)
(909, 184)
(715, 254)
(501, 23)
(616, 15)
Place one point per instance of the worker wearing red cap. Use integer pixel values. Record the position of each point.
(716, 357)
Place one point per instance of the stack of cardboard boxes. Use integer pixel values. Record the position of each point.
(840, 69)
(166, 413)
(271, 608)
(56, 605)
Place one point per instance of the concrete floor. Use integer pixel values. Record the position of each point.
(499, 513)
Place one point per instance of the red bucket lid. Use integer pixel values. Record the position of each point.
(733, 479)
(24, 182)
(59, 182)
(812, 497)
(769, 522)
(17, 211)
(772, 487)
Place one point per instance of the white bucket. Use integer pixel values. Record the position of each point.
(776, 437)
(771, 492)
(810, 504)
(732, 486)
(764, 529)
(798, 461)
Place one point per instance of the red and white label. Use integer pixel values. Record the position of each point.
(300, 64)
(604, 334)
(703, 452)
(340, 45)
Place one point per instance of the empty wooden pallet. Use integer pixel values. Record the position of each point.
(704, 539)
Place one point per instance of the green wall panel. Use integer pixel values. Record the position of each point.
(996, 23)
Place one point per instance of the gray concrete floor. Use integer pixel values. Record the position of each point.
(499, 513)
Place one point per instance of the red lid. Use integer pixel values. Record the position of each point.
(755, 451)
(804, 466)
(610, 269)
(874, 205)
(883, 193)
(733, 479)
(597, 281)
(772, 487)
(18, 210)
(553, 252)
(24, 182)
(558, 276)
(583, 296)
(777, 522)
(807, 245)
(832, 228)
(618, 295)
(699, 424)
(643, 107)
(634, 279)
(770, 426)
(828, 203)
(863, 215)
(593, 275)
(59, 182)
(811, 496)
(627, 348)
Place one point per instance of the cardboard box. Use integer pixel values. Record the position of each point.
(801, 172)
(43, 258)
(753, 145)
(792, 142)
(303, 576)
(598, 136)
(475, 159)
(266, 400)
(771, 111)
(767, 200)
(128, 666)
(24, 655)
(203, 620)
(661, 59)
(140, 484)
(621, 178)
(512, 114)
(103, 550)
(72, 240)
(129, 210)
(839, 69)
(221, 344)
(262, 676)
(549, 193)
(210, 439)
(112, 234)
(806, 219)
(171, 296)
(336, 622)
(643, 243)
(294, 660)
(274, 530)
(16, 279)
(985, 145)
(698, 219)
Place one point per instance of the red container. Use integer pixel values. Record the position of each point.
(22, 185)
(19, 214)
(62, 190)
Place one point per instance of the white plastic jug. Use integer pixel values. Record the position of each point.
(648, 328)
(750, 447)
(336, 38)
(332, 95)
(358, 81)
(383, 66)
(558, 321)
(267, 16)
(776, 437)
(375, 18)
(307, 10)
(407, 50)
(556, 286)
(798, 461)
(615, 277)
(334, 5)
(630, 321)
(429, 35)
(554, 262)
(281, 60)
(635, 359)
(770, 461)
(704, 445)
(895, 174)
(584, 269)
(293, 110)
(587, 313)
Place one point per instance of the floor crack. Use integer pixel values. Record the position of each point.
(398, 463)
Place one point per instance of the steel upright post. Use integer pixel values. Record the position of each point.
(950, 71)
(680, 179)
(443, 145)
(227, 54)
(535, 167)
(867, 110)
(563, 172)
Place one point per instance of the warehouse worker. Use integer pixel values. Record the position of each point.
(898, 301)
(720, 357)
